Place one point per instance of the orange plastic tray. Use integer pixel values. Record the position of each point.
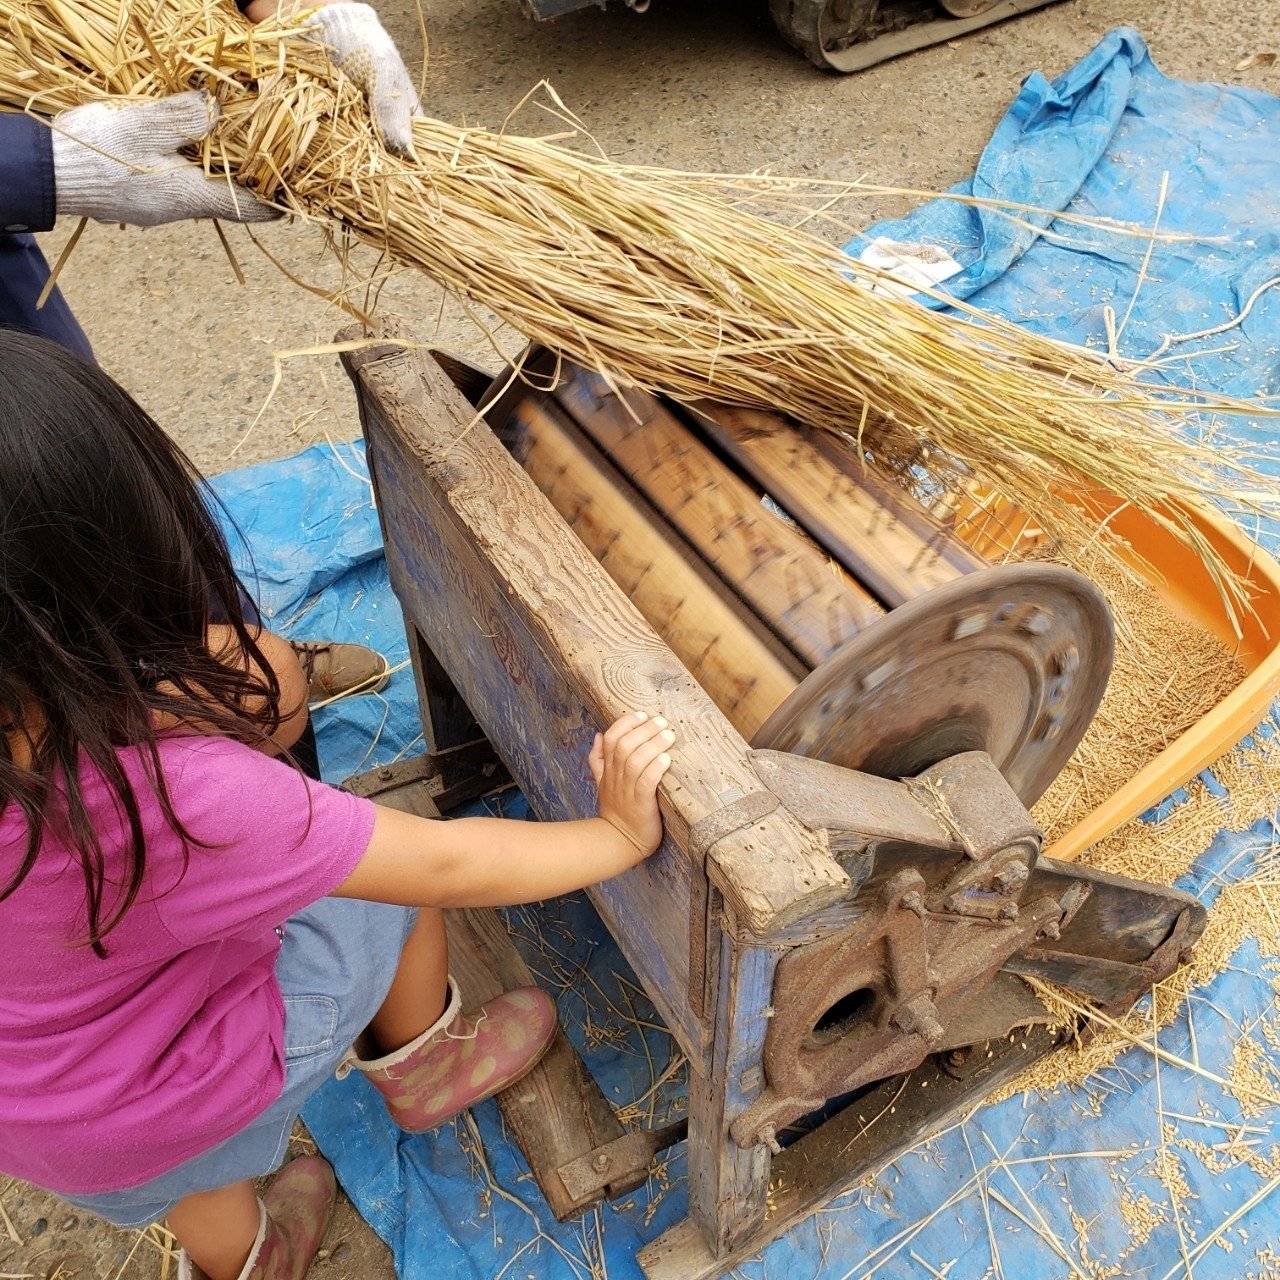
(1182, 579)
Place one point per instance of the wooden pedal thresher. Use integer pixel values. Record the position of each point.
(850, 883)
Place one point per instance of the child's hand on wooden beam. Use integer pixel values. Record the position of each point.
(628, 761)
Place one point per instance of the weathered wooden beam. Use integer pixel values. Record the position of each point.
(729, 1184)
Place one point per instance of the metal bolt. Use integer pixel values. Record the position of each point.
(769, 1136)
(601, 1162)
(874, 679)
(1051, 931)
(969, 625)
(919, 1016)
(914, 902)
(1009, 911)
(1013, 875)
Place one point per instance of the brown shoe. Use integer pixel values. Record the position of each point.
(295, 1215)
(336, 671)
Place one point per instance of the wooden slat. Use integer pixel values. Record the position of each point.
(788, 580)
(736, 661)
(881, 535)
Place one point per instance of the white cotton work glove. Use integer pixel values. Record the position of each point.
(359, 45)
(120, 162)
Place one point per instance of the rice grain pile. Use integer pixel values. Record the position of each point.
(1162, 852)
(1169, 673)
(672, 281)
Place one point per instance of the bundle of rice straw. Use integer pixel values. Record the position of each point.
(669, 280)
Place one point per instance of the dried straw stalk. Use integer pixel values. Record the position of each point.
(669, 280)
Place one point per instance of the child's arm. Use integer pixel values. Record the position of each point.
(481, 862)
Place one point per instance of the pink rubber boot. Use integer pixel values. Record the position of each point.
(463, 1059)
(295, 1215)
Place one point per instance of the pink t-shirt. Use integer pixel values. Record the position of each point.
(113, 1071)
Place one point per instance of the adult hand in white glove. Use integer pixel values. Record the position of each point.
(359, 45)
(121, 162)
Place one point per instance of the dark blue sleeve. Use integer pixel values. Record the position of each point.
(23, 275)
(27, 194)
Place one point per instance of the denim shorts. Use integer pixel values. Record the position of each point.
(335, 968)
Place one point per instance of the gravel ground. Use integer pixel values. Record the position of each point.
(691, 83)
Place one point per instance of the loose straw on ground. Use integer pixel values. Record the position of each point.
(666, 279)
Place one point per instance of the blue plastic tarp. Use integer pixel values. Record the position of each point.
(1028, 1188)
(1100, 142)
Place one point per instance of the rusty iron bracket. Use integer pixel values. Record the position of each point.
(970, 799)
(445, 778)
(728, 818)
(878, 998)
(621, 1165)
(951, 890)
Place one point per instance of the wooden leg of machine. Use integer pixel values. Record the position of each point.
(729, 1184)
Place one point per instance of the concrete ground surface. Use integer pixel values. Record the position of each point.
(695, 84)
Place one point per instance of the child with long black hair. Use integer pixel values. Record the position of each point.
(196, 934)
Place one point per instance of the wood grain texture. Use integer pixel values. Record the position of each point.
(729, 1184)
(546, 649)
(881, 535)
(726, 648)
(786, 578)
